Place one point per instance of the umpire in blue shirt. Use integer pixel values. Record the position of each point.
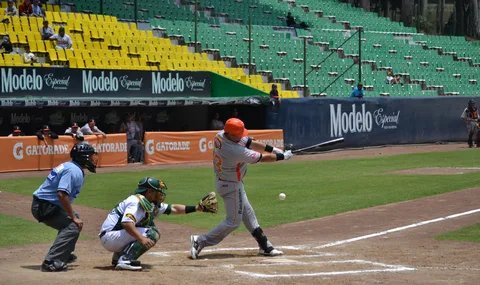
(52, 205)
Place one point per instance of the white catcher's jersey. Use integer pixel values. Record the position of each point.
(230, 159)
(130, 210)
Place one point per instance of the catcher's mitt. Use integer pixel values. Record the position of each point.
(209, 203)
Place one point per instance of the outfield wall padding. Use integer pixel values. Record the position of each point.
(371, 121)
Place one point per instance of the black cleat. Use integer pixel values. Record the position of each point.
(53, 266)
(72, 258)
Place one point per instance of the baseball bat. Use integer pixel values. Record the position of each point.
(322, 144)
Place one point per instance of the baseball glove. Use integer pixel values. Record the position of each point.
(209, 203)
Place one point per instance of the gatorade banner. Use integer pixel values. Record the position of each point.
(181, 147)
(30, 153)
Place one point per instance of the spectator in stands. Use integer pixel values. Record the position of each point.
(358, 91)
(25, 9)
(16, 132)
(290, 20)
(390, 77)
(46, 132)
(134, 141)
(75, 132)
(37, 10)
(28, 56)
(216, 123)
(6, 45)
(90, 128)
(63, 40)
(471, 117)
(397, 79)
(11, 10)
(274, 96)
(46, 31)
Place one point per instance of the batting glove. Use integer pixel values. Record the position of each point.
(288, 154)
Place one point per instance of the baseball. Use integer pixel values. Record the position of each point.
(282, 196)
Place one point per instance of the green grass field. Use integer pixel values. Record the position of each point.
(314, 188)
(471, 233)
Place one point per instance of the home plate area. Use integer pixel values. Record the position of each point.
(297, 262)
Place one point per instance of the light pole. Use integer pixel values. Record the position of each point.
(249, 41)
(196, 24)
(359, 55)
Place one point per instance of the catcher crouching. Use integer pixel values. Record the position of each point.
(129, 230)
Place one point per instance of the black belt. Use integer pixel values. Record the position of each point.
(102, 234)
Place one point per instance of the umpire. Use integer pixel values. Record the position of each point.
(52, 205)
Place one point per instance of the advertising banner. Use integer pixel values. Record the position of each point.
(372, 121)
(76, 83)
(181, 147)
(30, 153)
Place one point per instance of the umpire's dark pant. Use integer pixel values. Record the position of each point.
(55, 217)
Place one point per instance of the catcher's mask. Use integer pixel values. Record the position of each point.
(151, 183)
(471, 104)
(85, 155)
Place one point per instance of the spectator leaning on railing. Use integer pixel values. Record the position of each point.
(75, 132)
(90, 128)
(46, 132)
(16, 132)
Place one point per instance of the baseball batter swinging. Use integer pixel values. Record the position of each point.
(232, 152)
(129, 230)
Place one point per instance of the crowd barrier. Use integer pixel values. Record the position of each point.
(29, 153)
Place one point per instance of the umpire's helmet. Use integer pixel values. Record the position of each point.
(83, 154)
(151, 183)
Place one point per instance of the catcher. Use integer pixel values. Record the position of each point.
(129, 230)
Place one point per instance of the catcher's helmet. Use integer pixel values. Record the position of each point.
(151, 183)
(471, 103)
(235, 127)
(81, 153)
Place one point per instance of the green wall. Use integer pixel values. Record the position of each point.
(225, 87)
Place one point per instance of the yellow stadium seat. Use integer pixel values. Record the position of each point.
(52, 55)
(80, 63)
(32, 44)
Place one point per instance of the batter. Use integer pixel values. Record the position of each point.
(232, 152)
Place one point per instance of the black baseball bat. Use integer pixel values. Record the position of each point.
(322, 144)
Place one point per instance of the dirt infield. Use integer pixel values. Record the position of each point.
(390, 244)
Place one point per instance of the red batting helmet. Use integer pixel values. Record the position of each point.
(235, 127)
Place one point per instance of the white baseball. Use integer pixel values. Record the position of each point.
(282, 196)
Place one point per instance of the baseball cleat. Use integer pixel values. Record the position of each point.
(270, 252)
(124, 264)
(195, 247)
(72, 258)
(53, 266)
(116, 256)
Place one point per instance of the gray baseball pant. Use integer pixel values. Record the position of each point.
(238, 210)
(55, 217)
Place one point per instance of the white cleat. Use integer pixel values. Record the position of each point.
(127, 265)
(272, 252)
(194, 249)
